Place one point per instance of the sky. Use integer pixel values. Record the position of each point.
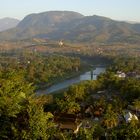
(125, 10)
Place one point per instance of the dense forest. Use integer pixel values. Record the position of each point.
(41, 70)
(89, 110)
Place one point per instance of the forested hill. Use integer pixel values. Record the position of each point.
(74, 27)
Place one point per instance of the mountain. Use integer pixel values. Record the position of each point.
(74, 27)
(7, 23)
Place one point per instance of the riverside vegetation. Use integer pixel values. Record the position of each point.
(49, 47)
(23, 115)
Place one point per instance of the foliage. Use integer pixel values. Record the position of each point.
(110, 119)
(131, 89)
(21, 115)
(42, 70)
(86, 134)
(130, 131)
(40, 124)
(70, 103)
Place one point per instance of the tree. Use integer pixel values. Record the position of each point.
(68, 106)
(131, 89)
(21, 115)
(110, 118)
(136, 104)
(129, 131)
(77, 92)
(40, 125)
(118, 104)
(14, 93)
(86, 133)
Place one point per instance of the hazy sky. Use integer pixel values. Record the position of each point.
(115, 9)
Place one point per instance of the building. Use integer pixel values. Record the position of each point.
(69, 122)
(121, 74)
(61, 43)
(129, 117)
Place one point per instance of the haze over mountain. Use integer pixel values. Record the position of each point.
(75, 27)
(7, 23)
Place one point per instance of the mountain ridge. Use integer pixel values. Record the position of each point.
(7, 23)
(73, 26)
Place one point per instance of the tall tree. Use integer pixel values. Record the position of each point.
(110, 118)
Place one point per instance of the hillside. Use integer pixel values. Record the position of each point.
(7, 23)
(74, 27)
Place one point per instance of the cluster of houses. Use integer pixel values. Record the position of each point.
(121, 74)
(90, 115)
(73, 122)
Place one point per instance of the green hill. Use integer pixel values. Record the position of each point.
(74, 27)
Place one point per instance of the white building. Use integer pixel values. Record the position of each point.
(61, 43)
(129, 117)
(121, 74)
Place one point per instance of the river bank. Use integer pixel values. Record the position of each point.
(89, 75)
(69, 75)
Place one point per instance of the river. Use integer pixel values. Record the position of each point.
(89, 75)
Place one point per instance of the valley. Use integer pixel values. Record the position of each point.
(66, 76)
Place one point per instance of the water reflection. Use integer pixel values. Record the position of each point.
(90, 75)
